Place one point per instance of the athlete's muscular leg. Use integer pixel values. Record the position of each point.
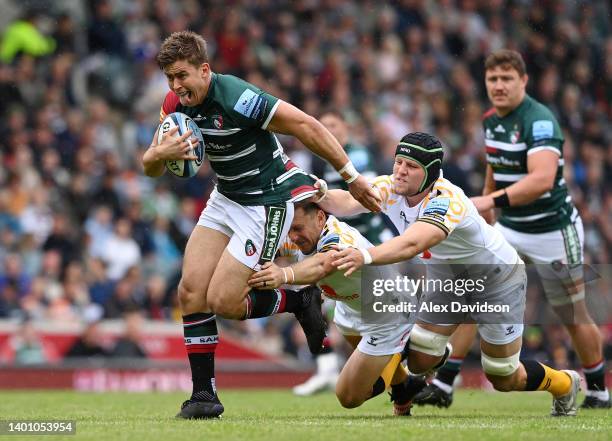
(585, 334)
(228, 288)
(515, 381)
(202, 254)
(358, 376)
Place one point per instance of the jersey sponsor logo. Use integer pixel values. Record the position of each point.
(510, 330)
(251, 105)
(437, 207)
(219, 147)
(500, 129)
(249, 248)
(502, 161)
(199, 118)
(260, 109)
(542, 129)
(274, 227)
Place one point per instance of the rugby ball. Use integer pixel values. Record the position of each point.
(181, 167)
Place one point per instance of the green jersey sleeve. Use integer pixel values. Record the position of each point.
(246, 103)
(542, 131)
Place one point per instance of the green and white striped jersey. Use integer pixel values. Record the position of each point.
(529, 128)
(249, 161)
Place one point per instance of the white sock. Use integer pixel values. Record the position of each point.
(445, 387)
(603, 395)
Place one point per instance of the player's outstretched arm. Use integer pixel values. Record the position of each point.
(306, 272)
(541, 172)
(290, 120)
(170, 147)
(419, 237)
(341, 203)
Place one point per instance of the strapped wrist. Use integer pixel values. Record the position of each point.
(367, 257)
(502, 200)
(349, 173)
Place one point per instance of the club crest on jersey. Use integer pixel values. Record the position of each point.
(489, 134)
(218, 122)
(514, 136)
(249, 248)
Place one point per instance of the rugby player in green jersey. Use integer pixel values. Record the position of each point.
(524, 179)
(250, 211)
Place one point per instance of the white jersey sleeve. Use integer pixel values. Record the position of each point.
(443, 208)
(338, 235)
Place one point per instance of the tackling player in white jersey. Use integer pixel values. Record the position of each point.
(436, 220)
(314, 241)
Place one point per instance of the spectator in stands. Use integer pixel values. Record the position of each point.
(130, 344)
(157, 305)
(89, 344)
(61, 239)
(121, 252)
(23, 36)
(123, 299)
(100, 286)
(27, 347)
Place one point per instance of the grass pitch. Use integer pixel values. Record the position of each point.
(277, 415)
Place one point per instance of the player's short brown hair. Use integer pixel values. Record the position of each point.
(507, 59)
(308, 207)
(183, 45)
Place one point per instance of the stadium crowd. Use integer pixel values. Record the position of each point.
(82, 228)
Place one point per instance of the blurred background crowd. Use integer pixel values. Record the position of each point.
(83, 233)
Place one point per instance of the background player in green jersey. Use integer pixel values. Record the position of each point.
(370, 225)
(250, 210)
(524, 179)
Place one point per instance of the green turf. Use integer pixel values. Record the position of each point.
(276, 414)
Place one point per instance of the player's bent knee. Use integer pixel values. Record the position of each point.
(226, 307)
(427, 342)
(502, 384)
(349, 400)
(500, 367)
(189, 299)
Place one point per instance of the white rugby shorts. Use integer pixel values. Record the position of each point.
(255, 231)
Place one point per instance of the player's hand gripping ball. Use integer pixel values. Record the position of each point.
(181, 167)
